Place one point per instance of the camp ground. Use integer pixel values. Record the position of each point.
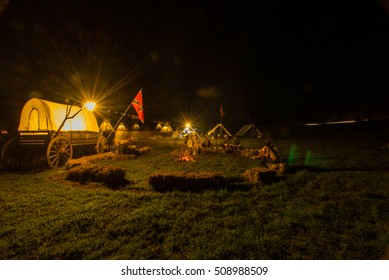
(52, 129)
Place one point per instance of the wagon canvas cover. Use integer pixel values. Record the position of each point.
(38, 114)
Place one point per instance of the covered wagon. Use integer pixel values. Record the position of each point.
(53, 130)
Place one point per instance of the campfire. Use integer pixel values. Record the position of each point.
(186, 156)
(183, 155)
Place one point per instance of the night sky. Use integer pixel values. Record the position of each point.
(266, 62)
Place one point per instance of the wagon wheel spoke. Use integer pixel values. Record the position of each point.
(16, 157)
(59, 152)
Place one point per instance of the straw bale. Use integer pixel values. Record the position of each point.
(88, 159)
(109, 174)
(71, 163)
(91, 159)
(280, 168)
(259, 174)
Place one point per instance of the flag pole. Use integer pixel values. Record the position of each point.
(114, 128)
(221, 125)
(221, 120)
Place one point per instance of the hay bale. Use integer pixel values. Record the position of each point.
(109, 174)
(71, 163)
(82, 173)
(260, 175)
(90, 159)
(280, 168)
(191, 181)
(100, 157)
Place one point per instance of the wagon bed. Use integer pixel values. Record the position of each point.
(54, 130)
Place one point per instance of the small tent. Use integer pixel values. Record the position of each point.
(166, 128)
(136, 126)
(106, 127)
(159, 125)
(121, 126)
(219, 129)
(249, 130)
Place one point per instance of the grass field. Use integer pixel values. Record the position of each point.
(332, 204)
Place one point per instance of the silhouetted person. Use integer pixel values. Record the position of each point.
(268, 153)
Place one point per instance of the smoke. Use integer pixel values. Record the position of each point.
(209, 92)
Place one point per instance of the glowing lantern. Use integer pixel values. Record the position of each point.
(90, 106)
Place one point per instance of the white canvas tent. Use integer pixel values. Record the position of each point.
(136, 126)
(106, 127)
(166, 128)
(159, 125)
(249, 130)
(42, 115)
(219, 129)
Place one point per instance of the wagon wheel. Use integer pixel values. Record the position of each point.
(102, 145)
(59, 151)
(16, 157)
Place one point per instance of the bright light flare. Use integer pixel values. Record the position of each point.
(188, 122)
(90, 105)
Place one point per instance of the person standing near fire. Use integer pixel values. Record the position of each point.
(189, 142)
(235, 144)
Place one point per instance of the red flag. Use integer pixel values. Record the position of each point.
(221, 111)
(138, 105)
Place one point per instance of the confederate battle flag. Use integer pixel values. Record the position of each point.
(138, 105)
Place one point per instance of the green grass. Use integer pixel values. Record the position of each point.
(333, 204)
